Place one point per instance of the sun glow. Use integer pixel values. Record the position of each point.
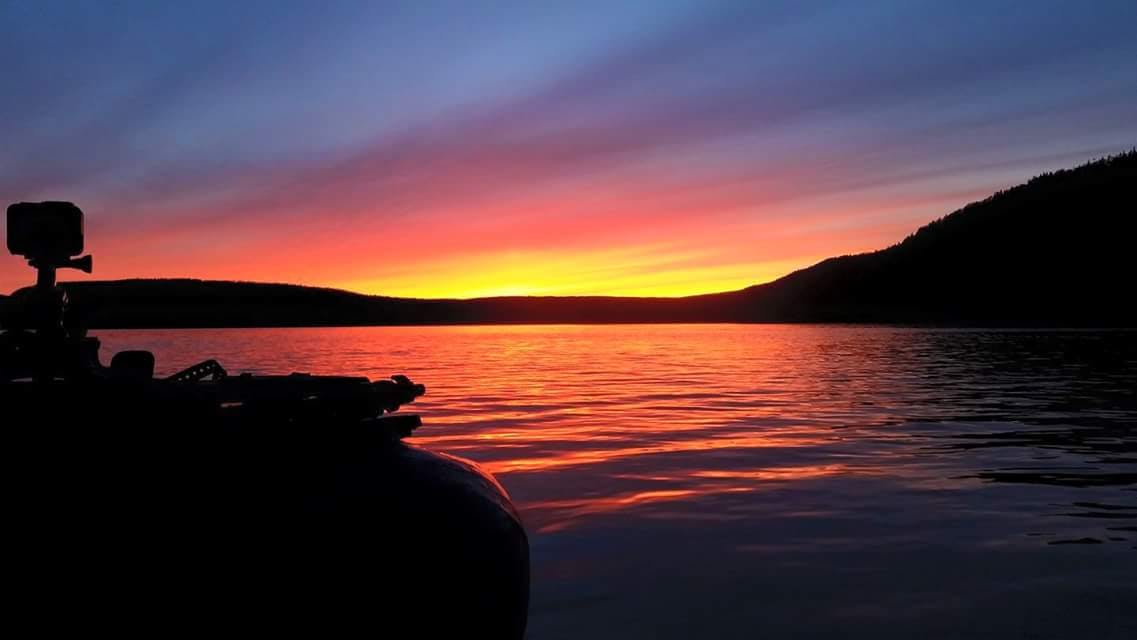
(613, 273)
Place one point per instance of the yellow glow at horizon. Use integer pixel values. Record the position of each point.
(605, 273)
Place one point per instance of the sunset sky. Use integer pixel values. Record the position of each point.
(458, 149)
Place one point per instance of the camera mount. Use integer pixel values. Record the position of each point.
(40, 341)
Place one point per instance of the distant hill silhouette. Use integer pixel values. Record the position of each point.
(1054, 251)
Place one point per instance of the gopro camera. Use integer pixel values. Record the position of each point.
(45, 230)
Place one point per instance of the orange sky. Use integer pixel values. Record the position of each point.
(610, 244)
(618, 239)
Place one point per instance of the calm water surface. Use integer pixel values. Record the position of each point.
(737, 481)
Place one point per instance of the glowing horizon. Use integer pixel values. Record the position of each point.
(671, 148)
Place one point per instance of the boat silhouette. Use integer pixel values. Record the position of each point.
(205, 501)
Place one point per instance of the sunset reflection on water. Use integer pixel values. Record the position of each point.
(722, 453)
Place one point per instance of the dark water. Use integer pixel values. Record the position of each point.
(733, 481)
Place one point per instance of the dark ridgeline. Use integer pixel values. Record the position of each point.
(1056, 250)
(1053, 251)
